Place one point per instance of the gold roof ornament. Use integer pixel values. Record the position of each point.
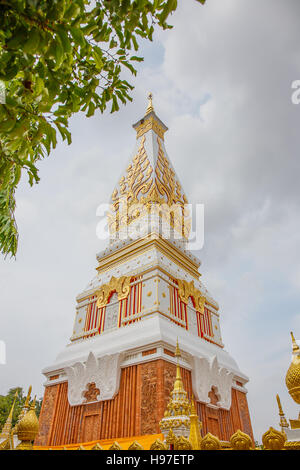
(240, 441)
(210, 442)
(150, 108)
(24, 410)
(292, 378)
(283, 422)
(273, 439)
(28, 429)
(7, 428)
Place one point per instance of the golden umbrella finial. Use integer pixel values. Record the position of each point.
(150, 104)
(295, 345)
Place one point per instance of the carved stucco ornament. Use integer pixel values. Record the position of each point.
(207, 374)
(115, 446)
(104, 372)
(187, 290)
(120, 285)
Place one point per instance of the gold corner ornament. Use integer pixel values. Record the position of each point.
(119, 285)
(187, 290)
(240, 441)
(273, 439)
(145, 189)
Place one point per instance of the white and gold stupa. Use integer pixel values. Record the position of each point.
(114, 378)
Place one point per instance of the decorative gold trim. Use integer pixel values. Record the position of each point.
(186, 290)
(148, 124)
(120, 285)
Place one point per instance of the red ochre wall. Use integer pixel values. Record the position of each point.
(136, 409)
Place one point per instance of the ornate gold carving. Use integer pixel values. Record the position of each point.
(273, 439)
(182, 443)
(135, 446)
(148, 124)
(91, 393)
(210, 442)
(186, 290)
(171, 438)
(28, 429)
(155, 190)
(115, 446)
(240, 441)
(158, 445)
(120, 285)
(80, 448)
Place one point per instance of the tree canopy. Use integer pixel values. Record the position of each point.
(58, 58)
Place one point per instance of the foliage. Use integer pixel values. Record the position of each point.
(6, 402)
(57, 58)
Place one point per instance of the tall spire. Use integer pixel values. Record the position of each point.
(150, 104)
(283, 422)
(6, 430)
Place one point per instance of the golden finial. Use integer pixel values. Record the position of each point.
(292, 378)
(283, 422)
(150, 105)
(296, 348)
(5, 433)
(27, 430)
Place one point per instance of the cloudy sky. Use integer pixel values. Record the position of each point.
(221, 81)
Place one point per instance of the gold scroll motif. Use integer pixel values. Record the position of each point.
(143, 188)
(119, 285)
(186, 290)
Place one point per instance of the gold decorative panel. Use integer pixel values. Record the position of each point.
(119, 285)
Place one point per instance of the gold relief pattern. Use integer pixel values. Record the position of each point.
(142, 187)
(292, 378)
(273, 439)
(240, 441)
(120, 285)
(186, 290)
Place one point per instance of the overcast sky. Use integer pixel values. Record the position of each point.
(221, 81)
